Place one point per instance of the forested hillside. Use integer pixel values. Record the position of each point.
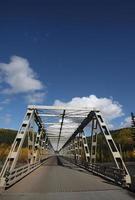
(7, 136)
(124, 138)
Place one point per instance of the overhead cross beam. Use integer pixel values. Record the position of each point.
(35, 107)
(52, 115)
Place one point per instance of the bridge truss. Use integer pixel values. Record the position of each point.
(133, 120)
(69, 132)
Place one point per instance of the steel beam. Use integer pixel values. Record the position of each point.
(61, 128)
(35, 107)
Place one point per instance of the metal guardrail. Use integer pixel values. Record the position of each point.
(111, 173)
(114, 174)
(18, 173)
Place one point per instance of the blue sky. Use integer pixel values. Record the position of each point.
(76, 49)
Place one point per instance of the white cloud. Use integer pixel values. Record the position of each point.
(109, 108)
(126, 122)
(34, 98)
(68, 129)
(19, 76)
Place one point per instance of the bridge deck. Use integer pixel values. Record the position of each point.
(61, 180)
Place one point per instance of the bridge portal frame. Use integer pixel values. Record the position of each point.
(44, 135)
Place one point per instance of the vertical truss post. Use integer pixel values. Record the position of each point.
(112, 146)
(86, 148)
(80, 147)
(67, 149)
(93, 141)
(31, 140)
(37, 149)
(75, 148)
(71, 150)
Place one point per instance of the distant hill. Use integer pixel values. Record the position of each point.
(122, 136)
(124, 139)
(7, 136)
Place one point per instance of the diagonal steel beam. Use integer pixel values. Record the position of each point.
(61, 128)
(81, 127)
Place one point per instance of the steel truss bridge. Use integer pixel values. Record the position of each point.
(65, 136)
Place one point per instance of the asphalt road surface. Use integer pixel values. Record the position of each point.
(59, 180)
